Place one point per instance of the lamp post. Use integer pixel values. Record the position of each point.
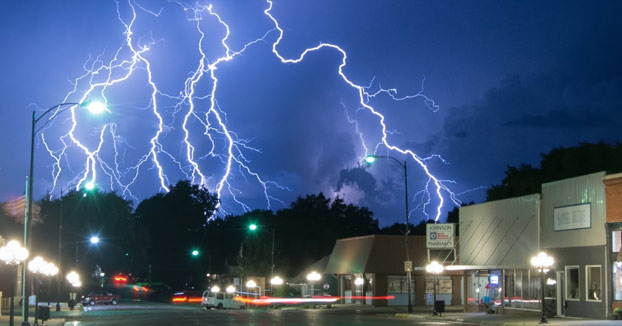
(74, 279)
(91, 106)
(434, 268)
(251, 284)
(13, 254)
(312, 278)
(542, 262)
(371, 159)
(38, 266)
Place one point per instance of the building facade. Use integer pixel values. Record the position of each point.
(373, 266)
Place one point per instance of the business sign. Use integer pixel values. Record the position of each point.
(440, 236)
(572, 217)
(494, 279)
(408, 266)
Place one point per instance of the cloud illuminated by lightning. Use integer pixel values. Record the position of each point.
(438, 186)
(198, 105)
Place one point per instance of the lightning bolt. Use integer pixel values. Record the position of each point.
(198, 105)
(438, 186)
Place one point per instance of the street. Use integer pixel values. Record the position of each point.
(164, 314)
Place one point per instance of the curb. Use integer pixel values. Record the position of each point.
(462, 320)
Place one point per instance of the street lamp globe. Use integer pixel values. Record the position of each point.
(542, 260)
(252, 227)
(251, 284)
(276, 281)
(313, 276)
(370, 159)
(13, 253)
(230, 289)
(434, 268)
(94, 239)
(215, 289)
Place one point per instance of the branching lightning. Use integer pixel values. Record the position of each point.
(438, 186)
(198, 105)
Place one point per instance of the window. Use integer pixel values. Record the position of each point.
(593, 283)
(616, 241)
(572, 283)
(617, 281)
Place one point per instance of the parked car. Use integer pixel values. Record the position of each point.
(220, 300)
(104, 297)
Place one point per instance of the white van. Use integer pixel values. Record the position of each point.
(220, 300)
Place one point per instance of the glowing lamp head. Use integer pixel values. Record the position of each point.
(252, 227)
(13, 253)
(215, 289)
(370, 159)
(251, 284)
(230, 289)
(95, 107)
(434, 268)
(359, 281)
(276, 281)
(195, 253)
(94, 240)
(313, 276)
(542, 260)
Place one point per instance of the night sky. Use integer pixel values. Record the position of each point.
(511, 79)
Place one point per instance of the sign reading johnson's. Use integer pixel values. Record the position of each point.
(440, 236)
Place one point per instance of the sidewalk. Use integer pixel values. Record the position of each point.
(483, 319)
(4, 321)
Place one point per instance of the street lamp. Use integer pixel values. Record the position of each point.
(13, 254)
(312, 278)
(276, 281)
(251, 284)
(230, 289)
(92, 106)
(215, 289)
(542, 262)
(434, 268)
(94, 239)
(38, 266)
(371, 159)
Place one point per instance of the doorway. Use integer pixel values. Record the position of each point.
(561, 295)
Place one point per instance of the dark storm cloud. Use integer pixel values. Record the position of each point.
(558, 118)
(578, 100)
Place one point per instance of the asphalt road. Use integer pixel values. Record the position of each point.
(160, 314)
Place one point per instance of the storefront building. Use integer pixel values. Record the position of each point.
(613, 196)
(373, 266)
(573, 232)
(498, 239)
(570, 222)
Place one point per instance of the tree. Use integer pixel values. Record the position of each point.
(168, 227)
(559, 163)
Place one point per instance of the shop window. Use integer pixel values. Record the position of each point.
(593, 283)
(616, 240)
(572, 283)
(617, 281)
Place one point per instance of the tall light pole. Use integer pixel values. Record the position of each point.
(542, 262)
(434, 268)
(13, 254)
(371, 159)
(94, 108)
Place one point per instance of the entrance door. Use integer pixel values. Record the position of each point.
(561, 296)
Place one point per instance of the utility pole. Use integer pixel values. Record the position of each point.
(60, 245)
